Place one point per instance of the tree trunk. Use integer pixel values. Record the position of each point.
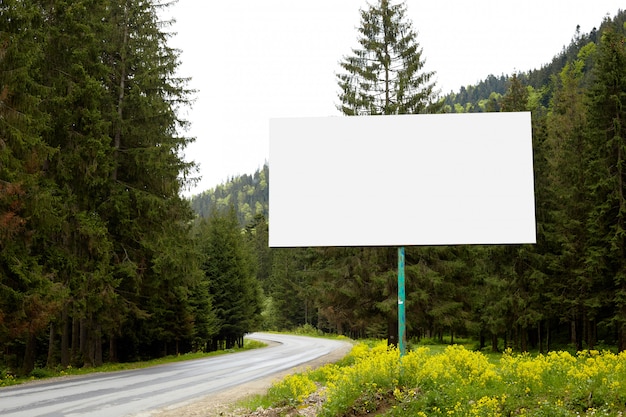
(494, 342)
(547, 335)
(87, 343)
(82, 340)
(65, 339)
(75, 360)
(392, 331)
(50, 360)
(113, 357)
(29, 355)
(98, 346)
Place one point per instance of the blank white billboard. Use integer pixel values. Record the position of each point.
(401, 180)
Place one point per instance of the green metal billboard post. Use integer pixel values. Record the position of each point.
(401, 307)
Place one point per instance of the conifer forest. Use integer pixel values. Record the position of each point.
(102, 259)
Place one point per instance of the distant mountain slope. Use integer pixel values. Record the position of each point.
(483, 96)
(248, 194)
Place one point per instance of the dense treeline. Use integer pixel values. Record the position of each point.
(98, 259)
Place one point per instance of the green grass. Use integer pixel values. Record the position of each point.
(311, 331)
(6, 378)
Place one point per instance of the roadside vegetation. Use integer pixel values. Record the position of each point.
(8, 378)
(454, 380)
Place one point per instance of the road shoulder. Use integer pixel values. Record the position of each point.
(222, 404)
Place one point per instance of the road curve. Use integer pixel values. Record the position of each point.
(131, 392)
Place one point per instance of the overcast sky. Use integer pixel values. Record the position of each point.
(252, 60)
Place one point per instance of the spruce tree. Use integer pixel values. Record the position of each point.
(229, 271)
(516, 97)
(90, 179)
(154, 260)
(606, 173)
(572, 292)
(30, 294)
(386, 74)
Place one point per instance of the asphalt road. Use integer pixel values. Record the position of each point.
(131, 392)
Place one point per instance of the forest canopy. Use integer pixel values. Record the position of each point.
(98, 259)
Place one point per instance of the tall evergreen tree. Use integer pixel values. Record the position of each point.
(75, 76)
(290, 285)
(606, 253)
(95, 242)
(355, 289)
(90, 109)
(386, 74)
(514, 268)
(30, 294)
(572, 292)
(229, 269)
(153, 258)
(516, 97)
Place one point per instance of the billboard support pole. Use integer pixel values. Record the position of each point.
(401, 306)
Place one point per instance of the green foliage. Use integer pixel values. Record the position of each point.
(385, 76)
(455, 381)
(95, 246)
(229, 270)
(484, 96)
(478, 97)
(307, 330)
(248, 194)
(606, 251)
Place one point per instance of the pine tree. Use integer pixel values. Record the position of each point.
(30, 294)
(74, 75)
(514, 268)
(90, 175)
(149, 223)
(287, 284)
(572, 292)
(229, 270)
(516, 97)
(113, 101)
(606, 174)
(385, 75)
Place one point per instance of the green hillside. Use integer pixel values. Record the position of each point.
(247, 194)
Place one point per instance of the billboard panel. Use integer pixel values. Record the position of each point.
(401, 180)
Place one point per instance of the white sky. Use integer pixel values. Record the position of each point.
(252, 60)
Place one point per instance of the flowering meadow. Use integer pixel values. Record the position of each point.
(374, 380)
